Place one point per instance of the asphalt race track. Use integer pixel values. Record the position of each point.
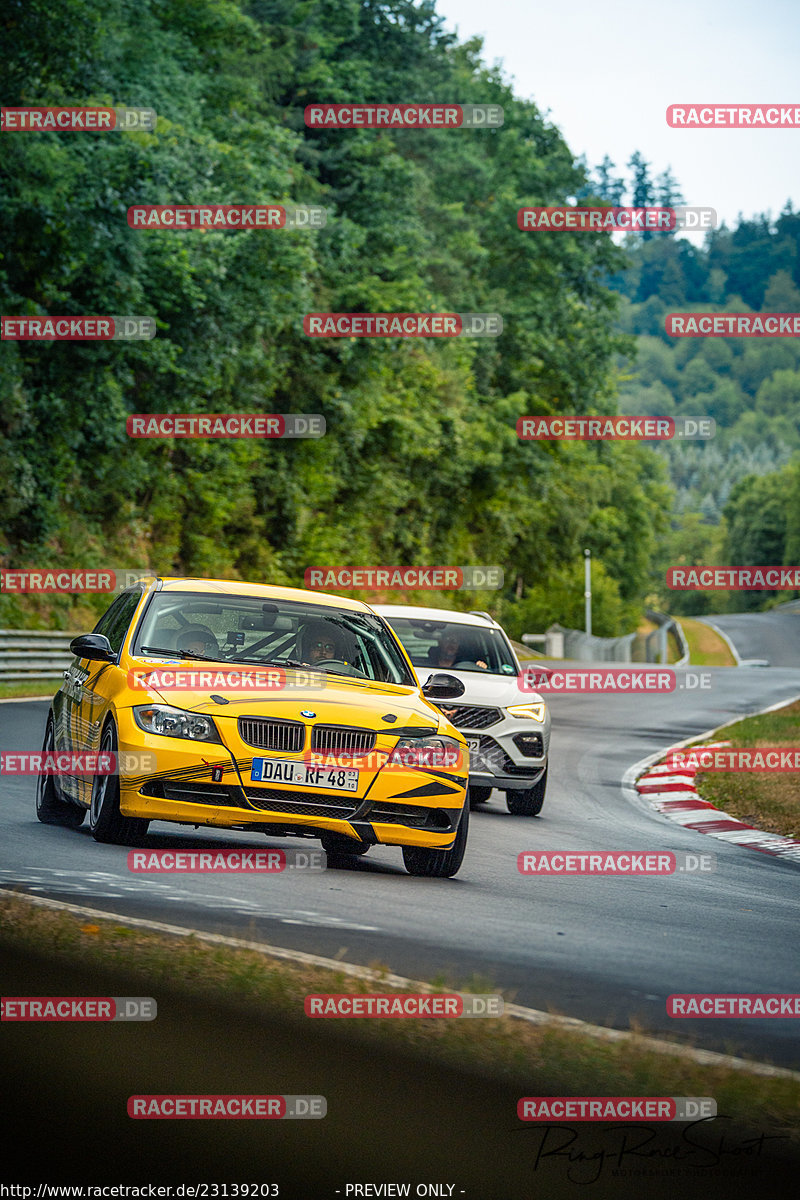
(607, 950)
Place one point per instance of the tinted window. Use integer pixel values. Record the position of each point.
(114, 623)
(443, 644)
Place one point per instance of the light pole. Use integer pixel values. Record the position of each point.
(587, 589)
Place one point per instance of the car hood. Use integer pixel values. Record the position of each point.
(341, 701)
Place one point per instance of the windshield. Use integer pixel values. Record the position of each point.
(286, 632)
(442, 644)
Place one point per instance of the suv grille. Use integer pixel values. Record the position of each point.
(470, 716)
(272, 735)
(342, 737)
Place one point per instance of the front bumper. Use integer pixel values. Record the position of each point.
(203, 783)
(500, 762)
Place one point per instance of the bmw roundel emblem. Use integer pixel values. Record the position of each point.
(304, 712)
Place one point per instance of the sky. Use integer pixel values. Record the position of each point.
(607, 71)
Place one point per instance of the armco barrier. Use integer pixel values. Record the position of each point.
(656, 642)
(33, 654)
(560, 642)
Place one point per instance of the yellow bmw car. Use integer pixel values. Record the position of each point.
(250, 707)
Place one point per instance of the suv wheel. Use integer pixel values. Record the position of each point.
(479, 795)
(528, 803)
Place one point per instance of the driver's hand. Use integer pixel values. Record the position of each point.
(481, 663)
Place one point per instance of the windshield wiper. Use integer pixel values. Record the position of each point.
(269, 662)
(177, 653)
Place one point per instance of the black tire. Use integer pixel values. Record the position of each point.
(105, 820)
(439, 864)
(337, 845)
(478, 795)
(50, 808)
(528, 803)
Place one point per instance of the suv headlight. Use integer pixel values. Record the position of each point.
(531, 712)
(175, 722)
(437, 751)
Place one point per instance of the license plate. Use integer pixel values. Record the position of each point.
(473, 745)
(281, 770)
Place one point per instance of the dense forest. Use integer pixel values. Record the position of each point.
(737, 497)
(421, 463)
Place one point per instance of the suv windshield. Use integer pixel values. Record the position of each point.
(441, 644)
(248, 629)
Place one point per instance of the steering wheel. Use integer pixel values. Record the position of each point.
(335, 663)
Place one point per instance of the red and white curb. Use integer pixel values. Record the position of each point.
(674, 795)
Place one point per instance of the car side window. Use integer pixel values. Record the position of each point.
(114, 623)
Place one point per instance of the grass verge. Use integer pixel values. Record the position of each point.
(44, 688)
(538, 1059)
(706, 647)
(767, 800)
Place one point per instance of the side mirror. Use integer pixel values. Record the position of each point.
(94, 646)
(442, 687)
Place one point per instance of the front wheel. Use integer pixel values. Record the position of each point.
(439, 864)
(528, 803)
(50, 808)
(105, 819)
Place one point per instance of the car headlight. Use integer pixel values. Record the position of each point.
(174, 722)
(532, 712)
(438, 751)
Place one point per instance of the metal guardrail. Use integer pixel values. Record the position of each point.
(656, 642)
(33, 654)
(560, 642)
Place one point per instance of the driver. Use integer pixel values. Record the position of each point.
(448, 651)
(198, 639)
(320, 640)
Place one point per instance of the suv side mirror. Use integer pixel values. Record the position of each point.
(94, 646)
(442, 687)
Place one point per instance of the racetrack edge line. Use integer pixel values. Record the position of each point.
(532, 1015)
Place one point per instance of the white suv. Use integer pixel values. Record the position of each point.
(507, 730)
